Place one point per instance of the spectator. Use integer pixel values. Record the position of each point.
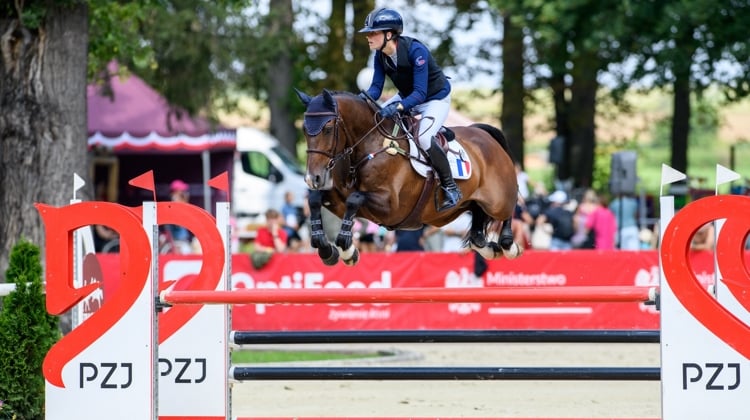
(454, 233)
(602, 222)
(561, 220)
(408, 240)
(646, 239)
(367, 234)
(521, 225)
(272, 237)
(581, 239)
(625, 209)
(178, 239)
(106, 239)
(523, 181)
(292, 222)
(537, 202)
(433, 239)
(703, 240)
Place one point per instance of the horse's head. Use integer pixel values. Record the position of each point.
(329, 139)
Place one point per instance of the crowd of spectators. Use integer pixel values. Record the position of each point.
(554, 221)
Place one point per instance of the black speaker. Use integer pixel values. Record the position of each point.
(557, 150)
(622, 176)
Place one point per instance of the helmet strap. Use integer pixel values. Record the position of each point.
(386, 39)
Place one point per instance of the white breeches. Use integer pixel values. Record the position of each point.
(433, 114)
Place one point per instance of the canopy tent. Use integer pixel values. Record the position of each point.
(138, 125)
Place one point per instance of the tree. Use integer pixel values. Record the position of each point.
(514, 93)
(26, 334)
(43, 98)
(687, 46)
(345, 51)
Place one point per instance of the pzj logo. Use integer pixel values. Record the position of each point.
(106, 375)
(715, 376)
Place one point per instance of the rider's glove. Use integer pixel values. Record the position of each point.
(390, 110)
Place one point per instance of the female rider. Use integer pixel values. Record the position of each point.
(422, 88)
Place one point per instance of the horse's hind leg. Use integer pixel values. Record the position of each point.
(492, 238)
(349, 254)
(510, 248)
(477, 235)
(326, 251)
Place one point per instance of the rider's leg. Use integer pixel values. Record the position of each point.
(434, 114)
(451, 193)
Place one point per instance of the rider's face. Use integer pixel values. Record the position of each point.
(375, 39)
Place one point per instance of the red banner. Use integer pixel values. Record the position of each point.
(534, 268)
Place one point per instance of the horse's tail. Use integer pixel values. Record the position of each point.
(498, 135)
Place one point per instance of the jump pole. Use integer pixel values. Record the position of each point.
(415, 295)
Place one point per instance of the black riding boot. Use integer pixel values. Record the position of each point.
(451, 193)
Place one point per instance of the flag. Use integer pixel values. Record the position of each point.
(78, 183)
(463, 168)
(145, 181)
(670, 175)
(724, 175)
(220, 182)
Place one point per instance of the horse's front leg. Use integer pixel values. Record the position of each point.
(344, 241)
(326, 251)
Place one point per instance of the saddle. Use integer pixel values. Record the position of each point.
(458, 159)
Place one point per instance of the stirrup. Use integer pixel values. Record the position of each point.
(451, 197)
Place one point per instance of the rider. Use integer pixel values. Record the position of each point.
(422, 88)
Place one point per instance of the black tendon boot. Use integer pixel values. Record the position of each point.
(451, 193)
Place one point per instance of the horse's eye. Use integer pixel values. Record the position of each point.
(327, 130)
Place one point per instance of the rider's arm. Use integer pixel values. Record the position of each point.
(419, 57)
(378, 78)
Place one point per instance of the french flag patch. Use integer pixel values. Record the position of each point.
(463, 168)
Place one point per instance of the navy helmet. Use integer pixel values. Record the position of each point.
(383, 20)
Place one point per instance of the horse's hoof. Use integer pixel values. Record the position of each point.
(331, 257)
(506, 242)
(354, 258)
(514, 251)
(478, 241)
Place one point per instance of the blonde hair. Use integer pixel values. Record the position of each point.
(590, 196)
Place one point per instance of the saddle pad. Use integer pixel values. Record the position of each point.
(458, 160)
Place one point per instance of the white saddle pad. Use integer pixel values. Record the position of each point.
(458, 160)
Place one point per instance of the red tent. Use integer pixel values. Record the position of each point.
(138, 118)
(139, 131)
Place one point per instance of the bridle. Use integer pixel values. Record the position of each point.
(335, 157)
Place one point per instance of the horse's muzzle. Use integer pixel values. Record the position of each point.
(319, 181)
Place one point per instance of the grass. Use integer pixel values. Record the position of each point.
(273, 356)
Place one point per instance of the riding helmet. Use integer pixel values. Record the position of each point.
(383, 19)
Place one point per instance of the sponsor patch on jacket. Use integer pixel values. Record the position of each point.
(419, 61)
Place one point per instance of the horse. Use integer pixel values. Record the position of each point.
(360, 164)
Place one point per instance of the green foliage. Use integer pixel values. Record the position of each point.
(27, 332)
(114, 33)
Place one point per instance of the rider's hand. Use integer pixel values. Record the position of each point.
(389, 110)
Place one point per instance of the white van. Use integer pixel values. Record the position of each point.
(263, 172)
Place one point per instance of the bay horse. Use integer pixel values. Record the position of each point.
(360, 164)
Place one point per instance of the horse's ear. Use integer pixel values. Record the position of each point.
(328, 100)
(305, 98)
